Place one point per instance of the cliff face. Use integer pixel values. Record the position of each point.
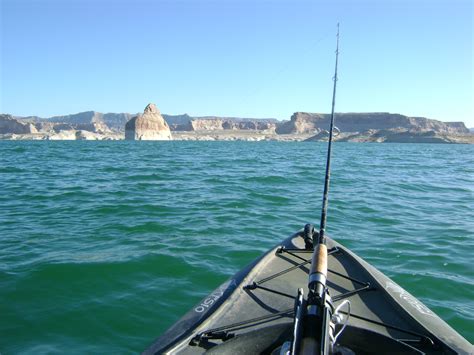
(217, 123)
(176, 120)
(354, 127)
(114, 121)
(149, 126)
(302, 122)
(256, 125)
(78, 118)
(81, 120)
(10, 125)
(458, 126)
(199, 124)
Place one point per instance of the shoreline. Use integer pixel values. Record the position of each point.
(258, 136)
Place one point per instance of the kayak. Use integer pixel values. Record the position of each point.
(254, 311)
(311, 295)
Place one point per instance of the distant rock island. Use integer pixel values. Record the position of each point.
(150, 126)
(302, 126)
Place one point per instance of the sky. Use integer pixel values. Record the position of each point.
(247, 58)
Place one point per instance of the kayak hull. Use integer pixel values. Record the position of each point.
(253, 311)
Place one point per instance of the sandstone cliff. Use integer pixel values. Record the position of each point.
(10, 125)
(399, 136)
(354, 127)
(224, 123)
(148, 126)
(82, 120)
(303, 122)
(176, 121)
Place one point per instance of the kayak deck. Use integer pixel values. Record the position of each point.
(253, 312)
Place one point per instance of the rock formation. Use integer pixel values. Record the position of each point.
(223, 123)
(354, 127)
(199, 124)
(63, 135)
(81, 120)
(10, 125)
(83, 135)
(303, 122)
(148, 126)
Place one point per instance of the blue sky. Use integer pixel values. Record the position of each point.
(237, 58)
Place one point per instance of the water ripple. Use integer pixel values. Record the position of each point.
(124, 237)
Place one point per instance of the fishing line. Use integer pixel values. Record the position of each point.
(277, 74)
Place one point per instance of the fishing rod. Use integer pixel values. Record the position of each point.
(312, 332)
(318, 274)
(322, 226)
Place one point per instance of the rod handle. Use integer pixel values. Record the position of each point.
(319, 262)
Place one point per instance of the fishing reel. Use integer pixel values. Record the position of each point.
(309, 235)
(316, 318)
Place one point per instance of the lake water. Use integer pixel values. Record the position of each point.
(103, 245)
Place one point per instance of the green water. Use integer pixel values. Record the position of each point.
(103, 245)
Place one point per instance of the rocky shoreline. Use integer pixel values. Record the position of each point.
(254, 136)
(376, 127)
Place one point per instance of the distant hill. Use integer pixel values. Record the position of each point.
(356, 127)
(304, 122)
(114, 121)
(177, 119)
(184, 122)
